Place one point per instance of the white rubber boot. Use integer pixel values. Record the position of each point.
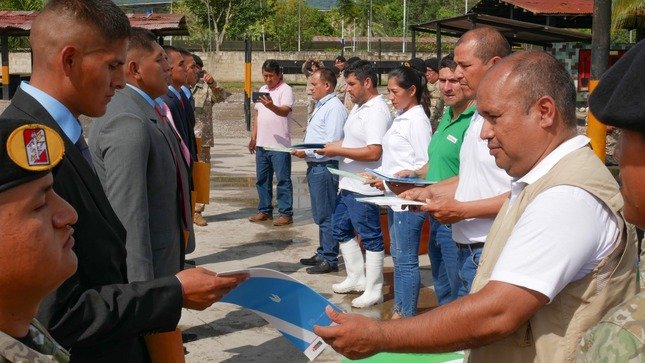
(354, 266)
(373, 281)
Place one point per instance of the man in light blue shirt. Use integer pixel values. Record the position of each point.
(325, 125)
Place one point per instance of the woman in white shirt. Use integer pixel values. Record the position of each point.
(405, 147)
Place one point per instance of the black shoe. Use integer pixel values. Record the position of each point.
(322, 268)
(188, 337)
(312, 261)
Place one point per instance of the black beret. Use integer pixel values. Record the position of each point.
(432, 63)
(619, 98)
(28, 151)
(416, 63)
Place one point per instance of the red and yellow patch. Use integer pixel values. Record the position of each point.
(35, 147)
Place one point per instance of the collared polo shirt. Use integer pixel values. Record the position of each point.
(274, 130)
(444, 147)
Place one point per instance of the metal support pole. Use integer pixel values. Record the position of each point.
(597, 131)
(439, 55)
(247, 83)
(5, 67)
(414, 43)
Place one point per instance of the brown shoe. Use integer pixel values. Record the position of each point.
(260, 217)
(283, 220)
(199, 220)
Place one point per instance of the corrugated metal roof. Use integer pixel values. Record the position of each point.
(543, 7)
(18, 23)
(515, 31)
(168, 24)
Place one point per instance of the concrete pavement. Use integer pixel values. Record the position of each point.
(226, 333)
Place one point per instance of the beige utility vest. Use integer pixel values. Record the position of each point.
(553, 333)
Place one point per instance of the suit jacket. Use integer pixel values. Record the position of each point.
(133, 156)
(184, 118)
(96, 313)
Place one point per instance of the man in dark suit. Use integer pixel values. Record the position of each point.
(96, 313)
(134, 151)
(180, 105)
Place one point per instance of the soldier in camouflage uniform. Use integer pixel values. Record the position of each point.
(42, 348)
(620, 335)
(618, 101)
(36, 241)
(206, 94)
(433, 96)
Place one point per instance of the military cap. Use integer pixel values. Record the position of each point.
(28, 151)
(416, 63)
(432, 63)
(618, 100)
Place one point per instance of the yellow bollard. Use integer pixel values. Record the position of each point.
(596, 130)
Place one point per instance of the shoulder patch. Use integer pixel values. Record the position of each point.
(35, 147)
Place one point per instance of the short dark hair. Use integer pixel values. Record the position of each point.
(406, 77)
(183, 51)
(198, 60)
(327, 75)
(103, 15)
(490, 43)
(336, 70)
(272, 66)
(352, 60)
(538, 74)
(141, 38)
(362, 70)
(170, 48)
(340, 58)
(448, 62)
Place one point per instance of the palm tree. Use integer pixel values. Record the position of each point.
(629, 14)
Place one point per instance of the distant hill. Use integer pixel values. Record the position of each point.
(322, 4)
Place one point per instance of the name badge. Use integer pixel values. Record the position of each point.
(452, 139)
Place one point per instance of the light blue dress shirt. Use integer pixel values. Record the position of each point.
(61, 114)
(186, 91)
(325, 125)
(174, 91)
(143, 94)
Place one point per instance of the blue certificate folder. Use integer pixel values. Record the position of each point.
(287, 304)
(308, 146)
(394, 179)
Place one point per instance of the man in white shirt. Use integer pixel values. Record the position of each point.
(470, 201)
(548, 273)
(361, 148)
(325, 125)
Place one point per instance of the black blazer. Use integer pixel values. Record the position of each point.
(184, 119)
(96, 313)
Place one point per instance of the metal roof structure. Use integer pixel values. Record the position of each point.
(557, 13)
(517, 32)
(161, 24)
(18, 23)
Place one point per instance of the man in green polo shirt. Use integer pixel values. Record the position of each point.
(443, 163)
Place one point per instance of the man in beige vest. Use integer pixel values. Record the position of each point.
(557, 256)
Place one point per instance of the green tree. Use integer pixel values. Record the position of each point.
(29, 5)
(282, 27)
(223, 17)
(628, 12)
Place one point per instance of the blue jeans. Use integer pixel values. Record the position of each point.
(443, 262)
(323, 189)
(467, 262)
(351, 216)
(267, 162)
(405, 234)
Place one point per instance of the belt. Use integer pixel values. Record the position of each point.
(321, 163)
(471, 245)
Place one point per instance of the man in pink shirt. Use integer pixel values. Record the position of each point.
(271, 129)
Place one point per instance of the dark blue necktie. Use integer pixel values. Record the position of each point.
(81, 145)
